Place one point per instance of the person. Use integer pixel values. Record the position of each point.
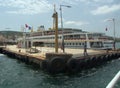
(85, 49)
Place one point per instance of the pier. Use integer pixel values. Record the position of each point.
(71, 61)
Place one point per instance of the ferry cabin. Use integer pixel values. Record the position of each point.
(73, 38)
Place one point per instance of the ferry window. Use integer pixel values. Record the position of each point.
(70, 43)
(79, 43)
(73, 43)
(76, 43)
(65, 37)
(82, 43)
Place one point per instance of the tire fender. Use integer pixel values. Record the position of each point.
(56, 64)
(73, 65)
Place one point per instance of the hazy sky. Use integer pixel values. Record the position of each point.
(88, 15)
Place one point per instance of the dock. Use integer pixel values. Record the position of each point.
(72, 60)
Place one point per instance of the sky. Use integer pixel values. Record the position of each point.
(88, 15)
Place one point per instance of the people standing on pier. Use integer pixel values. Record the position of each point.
(85, 49)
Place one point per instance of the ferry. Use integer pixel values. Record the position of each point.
(73, 38)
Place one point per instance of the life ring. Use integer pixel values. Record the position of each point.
(56, 64)
(73, 65)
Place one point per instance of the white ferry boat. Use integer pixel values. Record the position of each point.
(73, 38)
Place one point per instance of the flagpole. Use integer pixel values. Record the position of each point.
(31, 37)
(26, 26)
(25, 42)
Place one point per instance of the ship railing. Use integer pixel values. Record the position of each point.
(114, 81)
(75, 38)
(84, 39)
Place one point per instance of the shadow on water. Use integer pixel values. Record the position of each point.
(67, 78)
(97, 77)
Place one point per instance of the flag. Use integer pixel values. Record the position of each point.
(27, 26)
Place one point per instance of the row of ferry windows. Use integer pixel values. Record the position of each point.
(49, 38)
(54, 38)
(72, 44)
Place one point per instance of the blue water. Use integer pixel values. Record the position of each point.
(16, 74)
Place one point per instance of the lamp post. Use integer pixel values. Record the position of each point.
(62, 25)
(114, 32)
(113, 20)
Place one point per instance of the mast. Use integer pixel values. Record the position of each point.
(55, 24)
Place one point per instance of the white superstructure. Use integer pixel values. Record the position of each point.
(73, 38)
